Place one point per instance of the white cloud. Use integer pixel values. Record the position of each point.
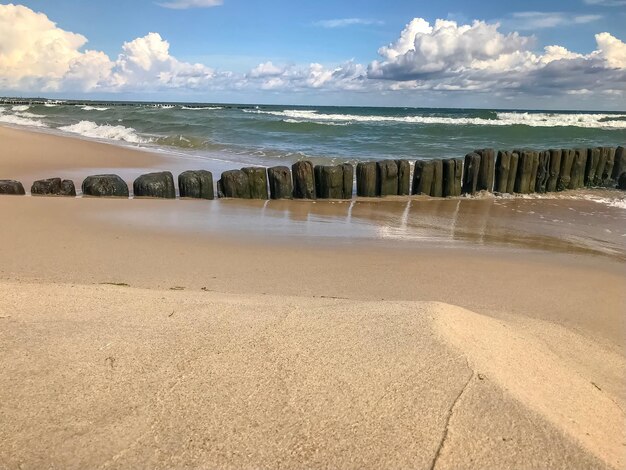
(347, 76)
(33, 48)
(446, 47)
(612, 50)
(343, 22)
(606, 3)
(533, 20)
(266, 69)
(477, 57)
(147, 62)
(186, 4)
(35, 54)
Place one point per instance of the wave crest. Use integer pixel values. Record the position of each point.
(93, 108)
(200, 108)
(597, 121)
(93, 130)
(21, 121)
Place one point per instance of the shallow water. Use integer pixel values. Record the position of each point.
(556, 225)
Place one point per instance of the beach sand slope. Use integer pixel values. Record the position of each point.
(118, 377)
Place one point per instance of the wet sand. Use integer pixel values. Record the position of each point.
(430, 334)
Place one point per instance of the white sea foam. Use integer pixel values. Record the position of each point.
(30, 115)
(20, 121)
(93, 108)
(330, 123)
(22, 107)
(598, 121)
(192, 108)
(614, 199)
(602, 121)
(620, 203)
(93, 130)
(50, 105)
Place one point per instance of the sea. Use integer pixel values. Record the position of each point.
(277, 135)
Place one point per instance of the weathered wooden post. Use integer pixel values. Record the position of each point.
(158, 185)
(387, 177)
(53, 187)
(533, 171)
(235, 184)
(437, 189)
(452, 175)
(510, 185)
(257, 179)
(555, 169)
(470, 173)
(329, 181)
(619, 166)
(348, 180)
(303, 180)
(366, 179)
(543, 172)
(105, 186)
(196, 184)
(578, 169)
(12, 187)
(565, 173)
(593, 158)
(503, 165)
(487, 169)
(281, 186)
(524, 172)
(423, 175)
(607, 172)
(404, 177)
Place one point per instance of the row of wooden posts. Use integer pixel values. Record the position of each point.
(518, 171)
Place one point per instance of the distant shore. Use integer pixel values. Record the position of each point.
(467, 333)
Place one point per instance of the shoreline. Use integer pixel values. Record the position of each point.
(466, 333)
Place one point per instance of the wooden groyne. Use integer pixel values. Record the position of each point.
(520, 171)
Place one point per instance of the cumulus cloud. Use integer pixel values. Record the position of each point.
(477, 57)
(147, 62)
(186, 4)
(445, 48)
(33, 48)
(347, 76)
(35, 54)
(266, 69)
(343, 22)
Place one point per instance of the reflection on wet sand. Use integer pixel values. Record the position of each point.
(563, 225)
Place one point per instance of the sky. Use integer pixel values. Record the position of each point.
(449, 53)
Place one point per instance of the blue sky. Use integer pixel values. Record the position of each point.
(233, 38)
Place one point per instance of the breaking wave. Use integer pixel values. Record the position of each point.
(297, 121)
(93, 130)
(93, 108)
(200, 108)
(21, 120)
(30, 115)
(597, 121)
(22, 107)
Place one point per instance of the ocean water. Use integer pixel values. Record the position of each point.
(273, 135)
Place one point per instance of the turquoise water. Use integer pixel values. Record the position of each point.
(269, 135)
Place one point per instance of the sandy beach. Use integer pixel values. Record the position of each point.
(226, 334)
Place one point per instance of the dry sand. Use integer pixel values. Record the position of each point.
(258, 351)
